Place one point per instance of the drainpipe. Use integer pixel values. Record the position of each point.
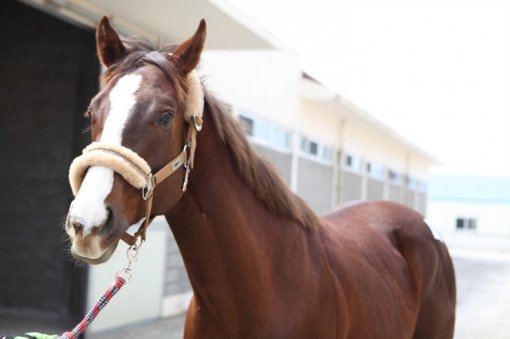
(338, 177)
(405, 186)
(294, 160)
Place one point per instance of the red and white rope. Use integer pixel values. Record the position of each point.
(101, 303)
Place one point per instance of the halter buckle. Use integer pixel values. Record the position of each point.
(148, 189)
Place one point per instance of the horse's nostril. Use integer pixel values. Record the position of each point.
(78, 227)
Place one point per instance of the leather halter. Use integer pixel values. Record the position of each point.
(185, 158)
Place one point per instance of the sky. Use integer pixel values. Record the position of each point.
(437, 72)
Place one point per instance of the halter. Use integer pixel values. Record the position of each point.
(134, 169)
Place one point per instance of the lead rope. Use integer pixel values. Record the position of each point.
(121, 278)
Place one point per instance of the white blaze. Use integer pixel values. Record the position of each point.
(88, 208)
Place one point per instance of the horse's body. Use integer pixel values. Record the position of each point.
(261, 263)
(370, 270)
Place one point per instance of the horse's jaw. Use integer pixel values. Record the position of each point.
(97, 258)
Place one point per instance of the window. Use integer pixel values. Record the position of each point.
(348, 160)
(281, 137)
(395, 177)
(327, 153)
(261, 130)
(313, 148)
(316, 150)
(415, 184)
(376, 171)
(465, 224)
(247, 124)
(412, 184)
(352, 163)
(265, 132)
(421, 186)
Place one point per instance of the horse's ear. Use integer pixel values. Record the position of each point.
(187, 55)
(109, 46)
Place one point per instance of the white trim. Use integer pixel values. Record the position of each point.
(176, 304)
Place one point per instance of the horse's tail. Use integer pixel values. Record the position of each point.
(436, 317)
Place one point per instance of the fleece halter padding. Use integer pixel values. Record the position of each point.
(122, 160)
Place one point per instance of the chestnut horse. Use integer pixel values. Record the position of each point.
(261, 263)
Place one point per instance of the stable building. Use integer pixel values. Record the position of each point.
(328, 150)
(471, 212)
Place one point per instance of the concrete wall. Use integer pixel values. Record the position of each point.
(176, 278)
(315, 182)
(281, 160)
(351, 187)
(375, 189)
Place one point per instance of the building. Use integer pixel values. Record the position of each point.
(327, 149)
(468, 209)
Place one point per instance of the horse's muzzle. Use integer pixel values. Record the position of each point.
(92, 244)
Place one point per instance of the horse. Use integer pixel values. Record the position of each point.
(261, 263)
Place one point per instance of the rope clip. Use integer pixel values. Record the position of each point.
(126, 272)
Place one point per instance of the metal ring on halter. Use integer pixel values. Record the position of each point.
(198, 126)
(149, 188)
(187, 146)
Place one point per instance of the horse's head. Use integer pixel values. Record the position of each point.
(141, 108)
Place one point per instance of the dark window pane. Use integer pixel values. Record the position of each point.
(460, 223)
(247, 123)
(313, 148)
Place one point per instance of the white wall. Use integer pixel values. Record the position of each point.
(263, 82)
(492, 219)
(319, 124)
(269, 84)
(324, 122)
(141, 298)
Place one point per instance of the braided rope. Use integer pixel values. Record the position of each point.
(100, 304)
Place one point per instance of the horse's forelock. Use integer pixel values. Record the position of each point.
(140, 52)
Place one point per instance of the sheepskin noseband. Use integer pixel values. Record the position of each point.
(120, 159)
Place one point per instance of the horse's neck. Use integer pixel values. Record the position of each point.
(229, 241)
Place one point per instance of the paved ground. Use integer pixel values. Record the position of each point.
(483, 307)
(167, 328)
(483, 310)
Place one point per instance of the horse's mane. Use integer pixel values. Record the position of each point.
(257, 172)
(266, 183)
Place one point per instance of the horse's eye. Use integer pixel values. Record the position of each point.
(165, 119)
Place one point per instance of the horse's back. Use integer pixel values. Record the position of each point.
(389, 247)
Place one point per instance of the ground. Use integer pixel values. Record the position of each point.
(483, 308)
(482, 267)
